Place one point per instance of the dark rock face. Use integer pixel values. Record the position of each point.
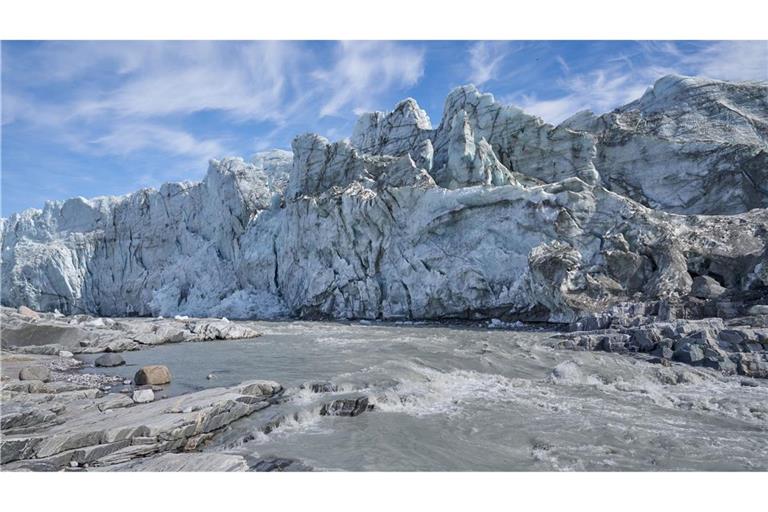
(346, 407)
(730, 345)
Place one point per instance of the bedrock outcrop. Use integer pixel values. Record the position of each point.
(491, 214)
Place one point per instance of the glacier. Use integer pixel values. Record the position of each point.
(493, 213)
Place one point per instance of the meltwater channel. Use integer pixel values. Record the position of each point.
(455, 398)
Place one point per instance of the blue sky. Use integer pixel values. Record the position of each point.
(104, 118)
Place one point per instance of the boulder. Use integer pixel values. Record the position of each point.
(153, 374)
(66, 354)
(109, 360)
(143, 396)
(261, 388)
(346, 407)
(279, 464)
(689, 353)
(663, 352)
(645, 340)
(705, 287)
(40, 373)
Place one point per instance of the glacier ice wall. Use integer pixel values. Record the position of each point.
(491, 213)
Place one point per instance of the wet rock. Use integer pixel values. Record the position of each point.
(65, 354)
(279, 464)
(109, 360)
(153, 374)
(751, 365)
(645, 340)
(261, 388)
(346, 407)
(663, 352)
(705, 287)
(689, 353)
(320, 387)
(617, 342)
(142, 396)
(40, 373)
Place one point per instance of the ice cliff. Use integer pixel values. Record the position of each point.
(491, 213)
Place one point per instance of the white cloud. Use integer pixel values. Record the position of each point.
(485, 60)
(136, 92)
(246, 81)
(600, 91)
(364, 70)
(731, 60)
(127, 138)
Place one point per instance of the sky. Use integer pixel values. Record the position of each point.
(98, 118)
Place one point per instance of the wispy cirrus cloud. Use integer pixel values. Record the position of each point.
(364, 70)
(127, 138)
(485, 59)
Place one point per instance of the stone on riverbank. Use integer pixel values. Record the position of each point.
(40, 373)
(109, 360)
(88, 430)
(143, 396)
(152, 375)
(731, 345)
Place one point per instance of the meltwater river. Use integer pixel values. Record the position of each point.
(450, 398)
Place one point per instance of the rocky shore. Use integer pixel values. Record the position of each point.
(30, 332)
(55, 417)
(729, 335)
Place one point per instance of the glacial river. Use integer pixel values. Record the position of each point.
(452, 398)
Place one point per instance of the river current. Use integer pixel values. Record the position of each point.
(449, 398)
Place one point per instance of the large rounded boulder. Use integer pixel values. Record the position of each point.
(152, 375)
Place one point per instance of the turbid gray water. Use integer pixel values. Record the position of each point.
(458, 398)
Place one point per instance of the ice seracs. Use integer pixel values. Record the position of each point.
(492, 214)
